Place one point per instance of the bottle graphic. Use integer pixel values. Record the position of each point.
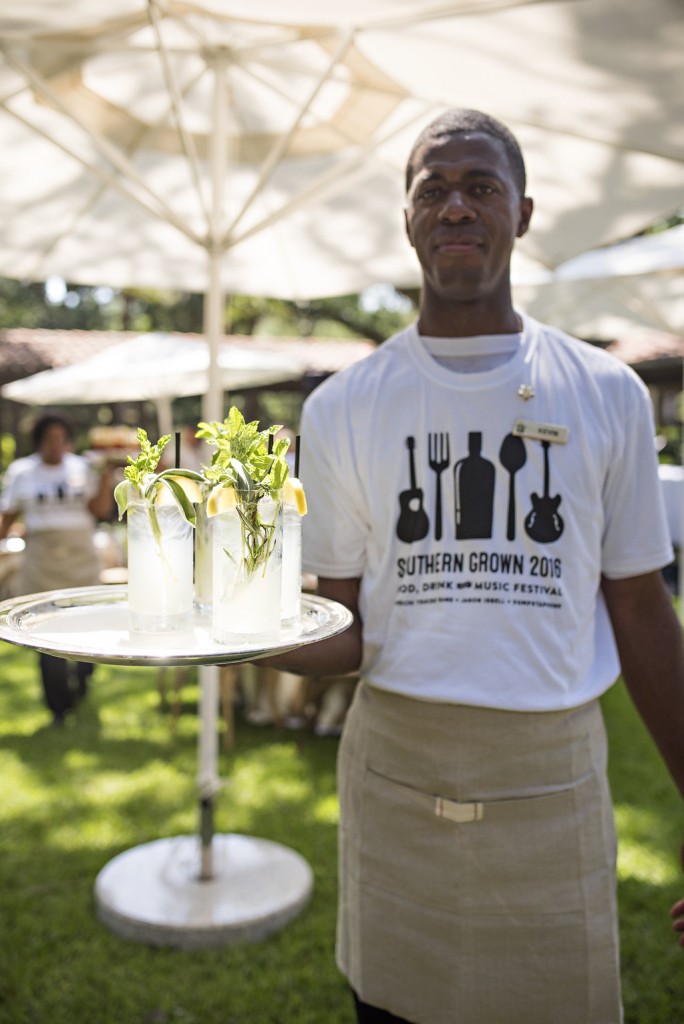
(474, 492)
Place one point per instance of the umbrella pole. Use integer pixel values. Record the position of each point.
(207, 756)
(214, 299)
(164, 415)
(212, 409)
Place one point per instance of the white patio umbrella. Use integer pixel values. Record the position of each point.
(644, 254)
(612, 291)
(226, 145)
(154, 367)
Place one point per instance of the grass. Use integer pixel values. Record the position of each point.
(121, 774)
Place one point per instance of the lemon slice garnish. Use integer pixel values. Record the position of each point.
(293, 494)
(221, 499)
(192, 490)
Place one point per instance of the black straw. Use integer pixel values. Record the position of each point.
(178, 442)
(297, 457)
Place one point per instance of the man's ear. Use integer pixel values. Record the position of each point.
(407, 227)
(526, 208)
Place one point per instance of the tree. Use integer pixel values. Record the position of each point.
(79, 307)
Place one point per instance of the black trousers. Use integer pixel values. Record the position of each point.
(55, 675)
(366, 1014)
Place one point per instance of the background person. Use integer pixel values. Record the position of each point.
(59, 497)
(498, 583)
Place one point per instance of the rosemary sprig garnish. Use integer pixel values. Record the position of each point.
(242, 460)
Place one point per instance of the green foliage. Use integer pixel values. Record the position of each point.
(140, 468)
(24, 304)
(241, 458)
(140, 477)
(8, 448)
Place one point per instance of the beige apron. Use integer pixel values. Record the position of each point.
(477, 863)
(54, 559)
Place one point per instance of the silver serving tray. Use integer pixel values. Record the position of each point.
(91, 624)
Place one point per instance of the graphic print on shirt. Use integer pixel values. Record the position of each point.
(543, 523)
(474, 479)
(512, 456)
(413, 523)
(438, 460)
(60, 493)
(465, 573)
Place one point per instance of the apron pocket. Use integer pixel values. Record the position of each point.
(517, 856)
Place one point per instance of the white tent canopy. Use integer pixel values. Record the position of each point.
(644, 254)
(157, 367)
(616, 290)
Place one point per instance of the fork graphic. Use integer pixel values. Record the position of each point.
(438, 459)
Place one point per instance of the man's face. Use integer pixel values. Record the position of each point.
(54, 444)
(464, 212)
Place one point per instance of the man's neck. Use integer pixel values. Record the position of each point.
(466, 319)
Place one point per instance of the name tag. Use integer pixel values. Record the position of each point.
(541, 431)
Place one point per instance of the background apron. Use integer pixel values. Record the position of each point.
(54, 559)
(477, 863)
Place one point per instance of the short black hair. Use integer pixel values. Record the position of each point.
(43, 424)
(458, 121)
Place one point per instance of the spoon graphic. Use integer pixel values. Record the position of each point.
(513, 457)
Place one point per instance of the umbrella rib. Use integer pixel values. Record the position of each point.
(106, 149)
(186, 138)
(107, 179)
(443, 10)
(323, 185)
(281, 146)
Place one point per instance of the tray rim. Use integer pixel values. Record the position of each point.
(337, 618)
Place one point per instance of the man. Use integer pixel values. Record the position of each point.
(483, 495)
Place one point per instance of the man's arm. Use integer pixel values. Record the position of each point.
(651, 648)
(7, 519)
(339, 654)
(101, 504)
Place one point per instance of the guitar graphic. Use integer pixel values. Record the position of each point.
(413, 523)
(543, 523)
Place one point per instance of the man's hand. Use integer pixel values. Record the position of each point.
(338, 655)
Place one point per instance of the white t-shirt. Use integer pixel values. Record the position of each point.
(485, 600)
(50, 497)
(672, 488)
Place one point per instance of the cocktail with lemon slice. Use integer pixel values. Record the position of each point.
(160, 515)
(245, 508)
(294, 507)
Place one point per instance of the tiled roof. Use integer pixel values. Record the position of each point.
(25, 351)
(639, 347)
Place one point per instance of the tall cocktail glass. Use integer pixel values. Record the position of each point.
(292, 566)
(160, 588)
(203, 561)
(247, 573)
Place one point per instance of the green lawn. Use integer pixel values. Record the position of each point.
(120, 774)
